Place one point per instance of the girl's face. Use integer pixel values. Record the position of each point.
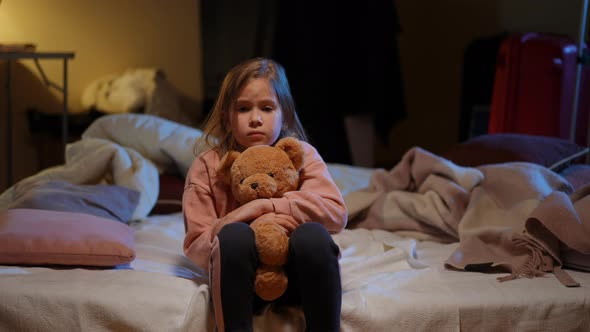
(256, 117)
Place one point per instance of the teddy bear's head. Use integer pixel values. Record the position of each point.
(263, 171)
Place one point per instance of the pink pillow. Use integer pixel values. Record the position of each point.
(44, 237)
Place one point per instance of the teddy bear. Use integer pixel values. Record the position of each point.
(266, 172)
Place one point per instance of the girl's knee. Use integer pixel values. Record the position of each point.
(237, 235)
(312, 240)
(311, 230)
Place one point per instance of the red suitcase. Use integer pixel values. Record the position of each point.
(534, 87)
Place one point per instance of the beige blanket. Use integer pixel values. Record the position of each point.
(517, 217)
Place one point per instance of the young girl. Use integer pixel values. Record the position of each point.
(255, 107)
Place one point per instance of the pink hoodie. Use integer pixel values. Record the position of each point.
(206, 199)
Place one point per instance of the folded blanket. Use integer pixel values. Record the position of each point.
(494, 233)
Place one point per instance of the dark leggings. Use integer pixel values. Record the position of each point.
(312, 269)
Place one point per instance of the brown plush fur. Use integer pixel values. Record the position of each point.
(266, 172)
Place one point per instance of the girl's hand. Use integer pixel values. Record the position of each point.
(286, 221)
(245, 213)
(250, 211)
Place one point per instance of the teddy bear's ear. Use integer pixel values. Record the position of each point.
(224, 169)
(294, 150)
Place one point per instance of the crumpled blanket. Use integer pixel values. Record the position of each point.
(129, 150)
(99, 161)
(424, 196)
(518, 217)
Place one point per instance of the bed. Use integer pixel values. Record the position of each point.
(393, 278)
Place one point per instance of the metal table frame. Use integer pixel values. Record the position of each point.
(35, 56)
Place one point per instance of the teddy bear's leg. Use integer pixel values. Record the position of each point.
(272, 243)
(271, 282)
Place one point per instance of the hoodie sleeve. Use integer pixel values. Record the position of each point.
(318, 199)
(198, 208)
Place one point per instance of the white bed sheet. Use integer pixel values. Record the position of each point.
(389, 283)
(159, 291)
(389, 296)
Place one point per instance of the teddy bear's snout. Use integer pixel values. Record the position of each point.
(259, 186)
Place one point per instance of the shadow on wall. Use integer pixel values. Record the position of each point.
(30, 153)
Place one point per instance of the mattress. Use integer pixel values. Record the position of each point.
(390, 282)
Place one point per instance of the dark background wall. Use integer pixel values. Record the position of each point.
(112, 35)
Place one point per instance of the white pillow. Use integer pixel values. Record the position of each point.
(164, 142)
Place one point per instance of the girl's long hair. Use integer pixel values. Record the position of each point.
(217, 131)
